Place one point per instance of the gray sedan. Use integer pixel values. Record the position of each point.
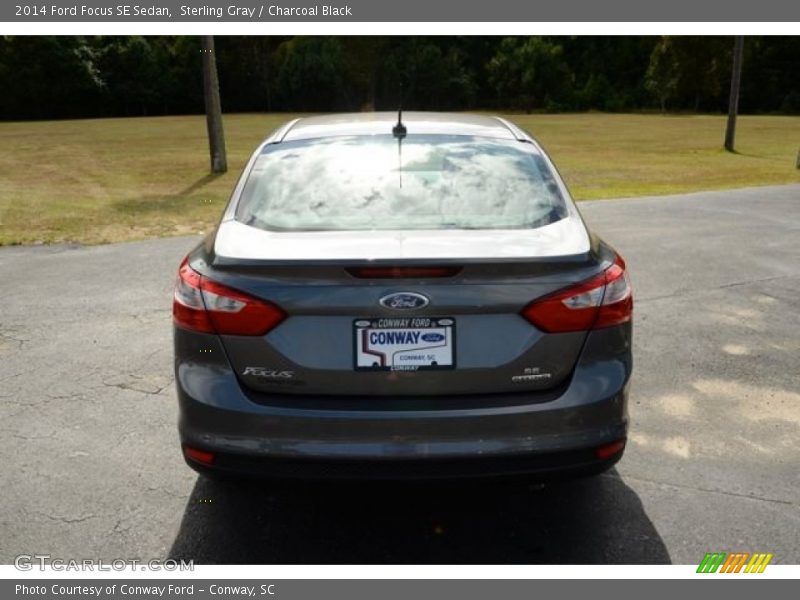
(402, 295)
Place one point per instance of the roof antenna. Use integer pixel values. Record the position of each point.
(399, 131)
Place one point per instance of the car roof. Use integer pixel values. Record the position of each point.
(372, 123)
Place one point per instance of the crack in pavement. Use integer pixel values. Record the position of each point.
(66, 520)
(28, 438)
(689, 291)
(69, 520)
(681, 486)
(34, 404)
(9, 377)
(17, 340)
(166, 492)
(69, 396)
(130, 386)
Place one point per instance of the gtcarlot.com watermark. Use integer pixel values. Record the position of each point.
(42, 562)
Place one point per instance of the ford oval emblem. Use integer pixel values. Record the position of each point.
(432, 337)
(404, 301)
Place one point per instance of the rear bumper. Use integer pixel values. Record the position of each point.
(318, 437)
(546, 466)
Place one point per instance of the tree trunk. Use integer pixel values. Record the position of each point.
(216, 135)
(267, 57)
(733, 102)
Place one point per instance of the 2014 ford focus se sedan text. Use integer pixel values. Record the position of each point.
(408, 295)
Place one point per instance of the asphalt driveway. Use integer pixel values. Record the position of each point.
(91, 467)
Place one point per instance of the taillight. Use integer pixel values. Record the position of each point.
(617, 306)
(609, 450)
(188, 309)
(197, 455)
(602, 301)
(201, 304)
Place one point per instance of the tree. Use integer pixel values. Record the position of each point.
(689, 72)
(663, 73)
(310, 75)
(527, 72)
(216, 136)
(608, 72)
(770, 68)
(247, 71)
(131, 70)
(733, 102)
(361, 60)
(434, 75)
(46, 77)
(55, 77)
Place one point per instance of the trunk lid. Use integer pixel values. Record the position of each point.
(314, 350)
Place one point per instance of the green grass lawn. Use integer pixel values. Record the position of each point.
(108, 180)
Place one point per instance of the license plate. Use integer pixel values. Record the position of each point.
(404, 344)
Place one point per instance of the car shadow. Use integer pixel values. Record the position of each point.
(596, 520)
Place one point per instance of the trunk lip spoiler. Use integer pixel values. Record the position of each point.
(222, 262)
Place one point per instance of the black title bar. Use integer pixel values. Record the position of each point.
(403, 10)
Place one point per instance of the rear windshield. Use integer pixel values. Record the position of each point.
(419, 182)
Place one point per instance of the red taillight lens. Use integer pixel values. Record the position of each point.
(617, 306)
(188, 309)
(197, 455)
(609, 450)
(203, 305)
(402, 272)
(235, 313)
(602, 301)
